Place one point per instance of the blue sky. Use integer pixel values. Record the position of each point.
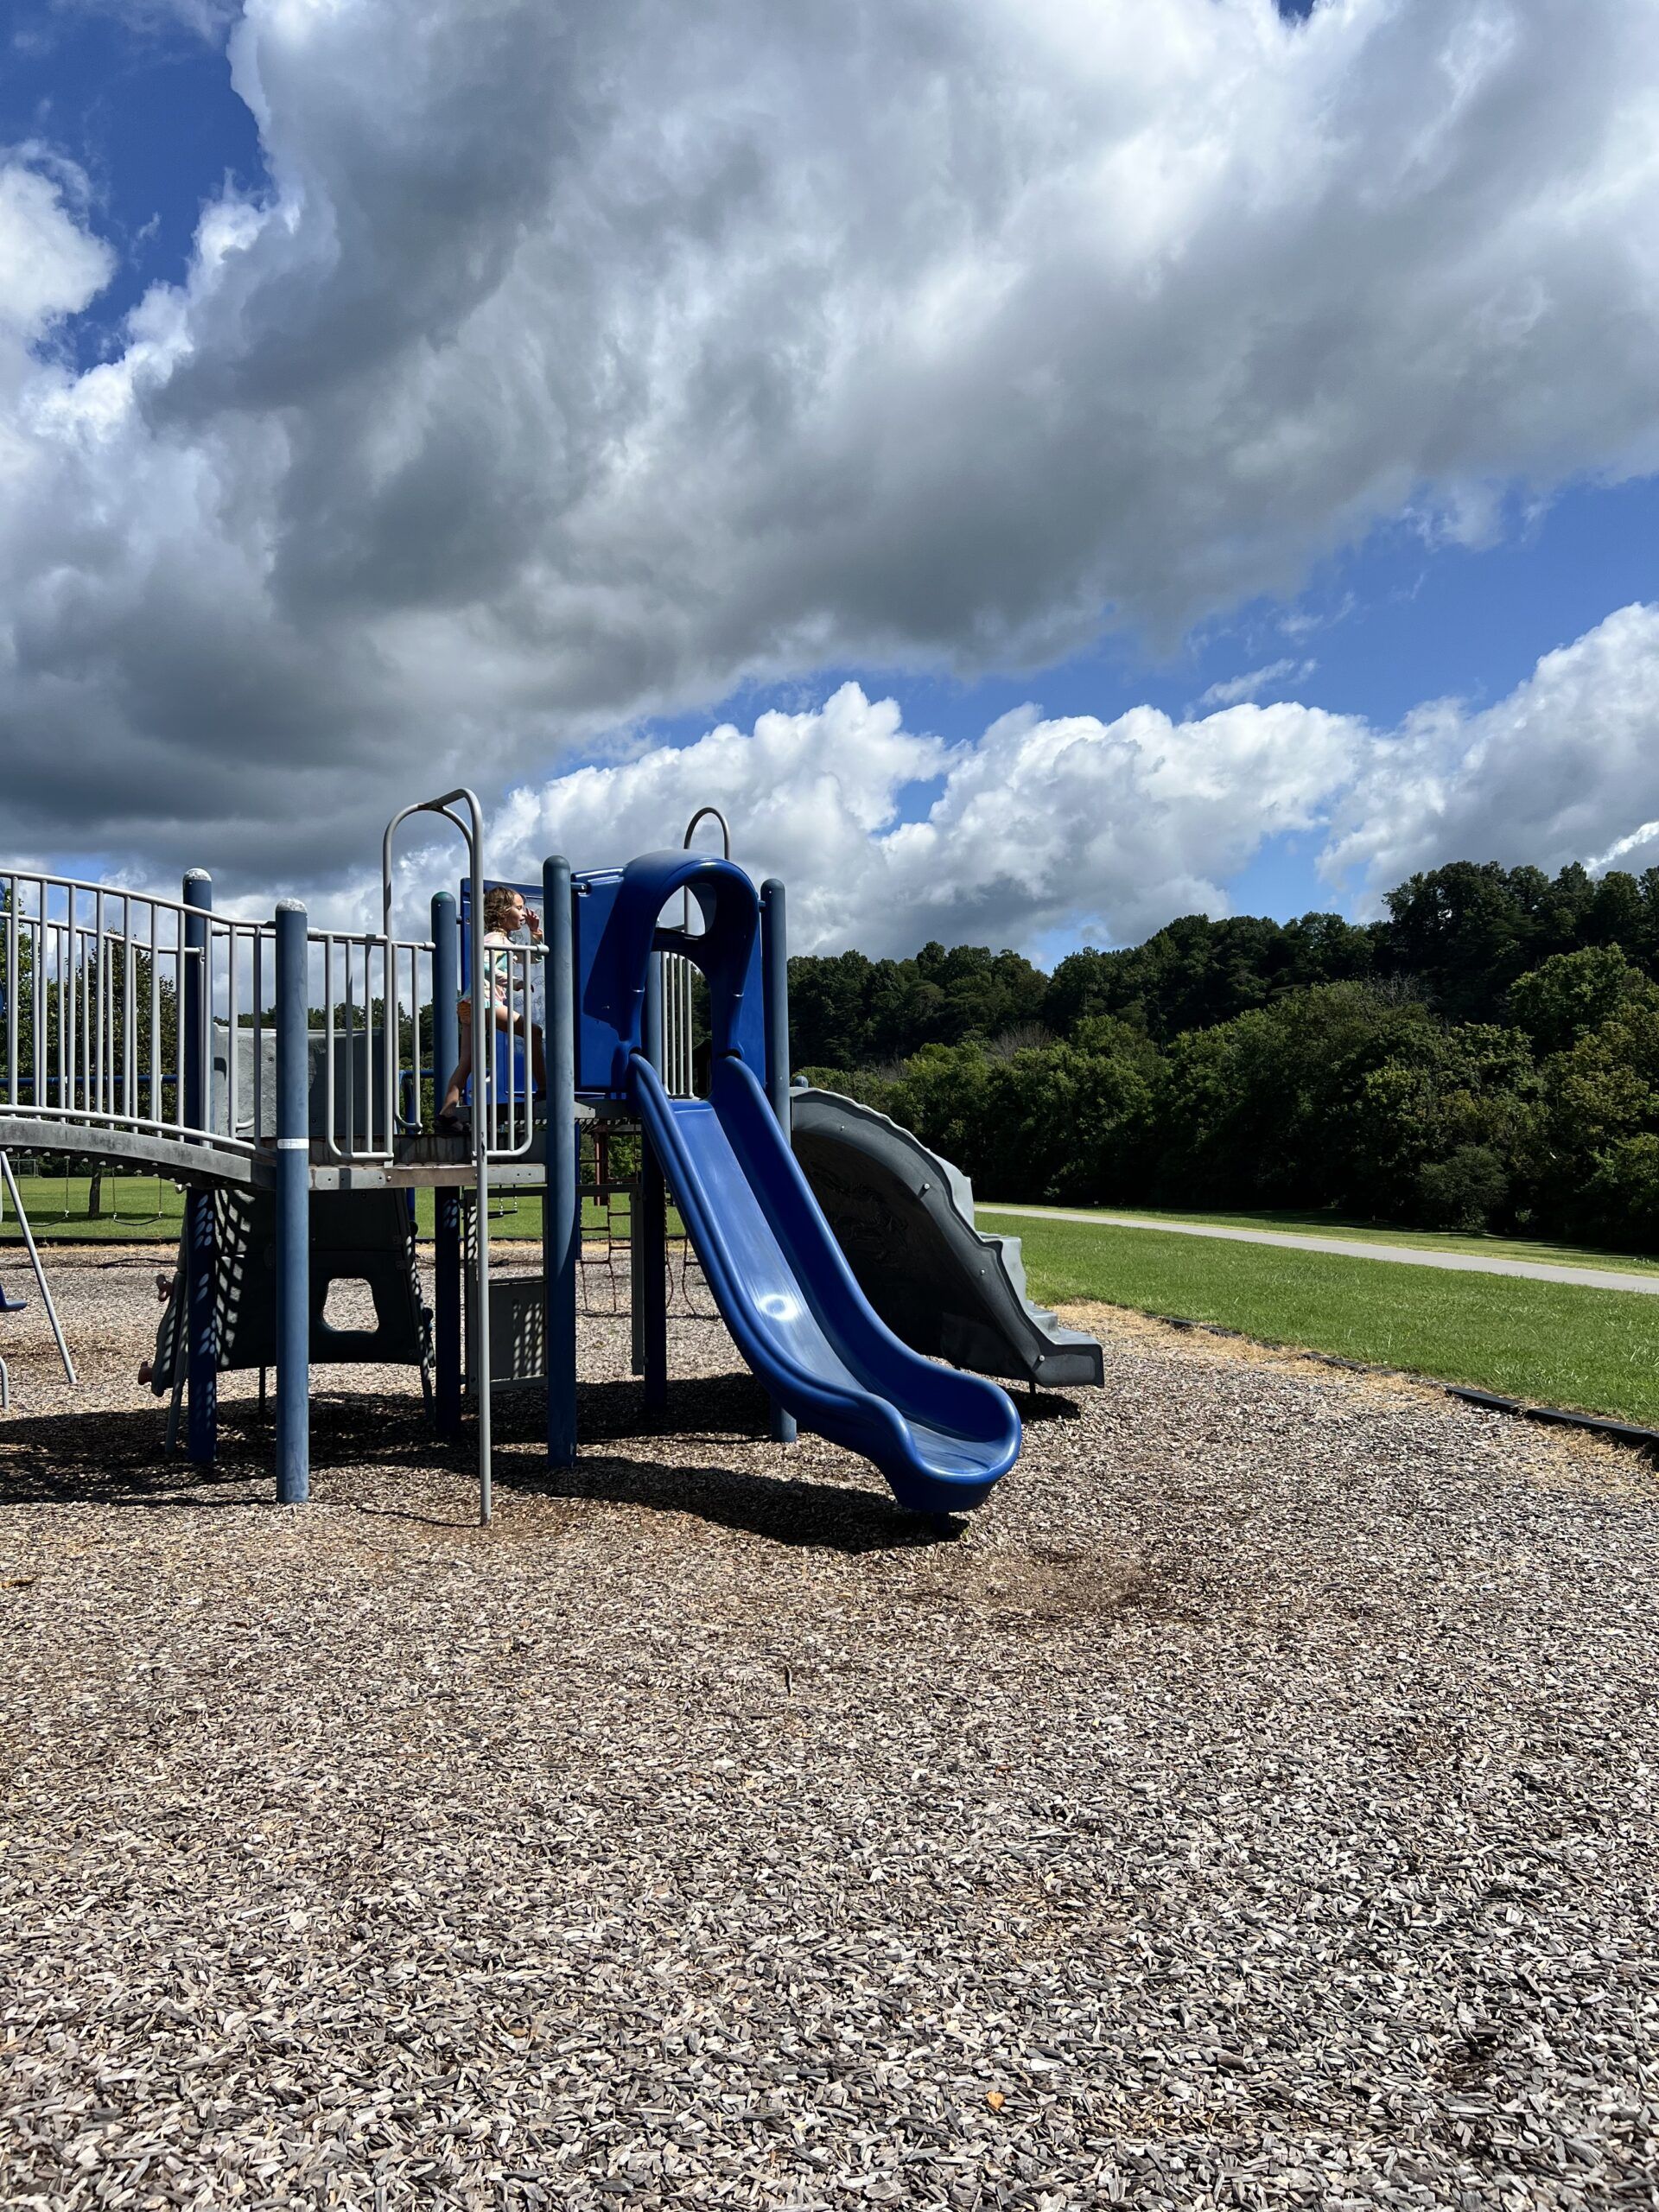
(1369, 607)
(1388, 624)
(147, 109)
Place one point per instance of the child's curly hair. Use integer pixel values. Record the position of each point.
(500, 904)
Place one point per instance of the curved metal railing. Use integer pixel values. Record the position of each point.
(124, 1010)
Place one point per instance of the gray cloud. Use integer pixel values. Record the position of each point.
(587, 361)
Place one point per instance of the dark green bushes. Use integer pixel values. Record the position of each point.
(1457, 938)
(1535, 1109)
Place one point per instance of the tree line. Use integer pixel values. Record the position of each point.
(1485, 1056)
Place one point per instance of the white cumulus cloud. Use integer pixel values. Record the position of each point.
(50, 266)
(1065, 823)
(1081, 827)
(1565, 768)
(583, 363)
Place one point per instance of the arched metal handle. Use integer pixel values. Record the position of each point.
(703, 814)
(707, 814)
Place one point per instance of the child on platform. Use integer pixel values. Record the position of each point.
(506, 919)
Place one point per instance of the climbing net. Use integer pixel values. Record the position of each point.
(607, 1201)
(688, 1295)
(610, 1185)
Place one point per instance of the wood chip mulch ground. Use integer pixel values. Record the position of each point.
(1252, 1806)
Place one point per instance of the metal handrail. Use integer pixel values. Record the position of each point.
(91, 978)
(124, 1010)
(403, 969)
(121, 1009)
(677, 1007)
(179, 907)
(677, 1001)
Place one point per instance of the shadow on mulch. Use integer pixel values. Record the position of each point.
(119, 1458)
(712, 1406)
(1039, 1406)
(716, 1409)
(779, 1508)
(115, 1458)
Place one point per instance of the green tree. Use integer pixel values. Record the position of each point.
(829, 1010)
(1338, 1096)
(1466, 931)
(1574, 992)
(1433, 1134)
(1595, 1157)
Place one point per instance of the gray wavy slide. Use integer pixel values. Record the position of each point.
(905, 1219)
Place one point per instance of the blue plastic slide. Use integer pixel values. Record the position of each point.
(800, 1319)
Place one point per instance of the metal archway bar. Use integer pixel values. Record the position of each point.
(709, 814)
(703, 814)
(472, 829)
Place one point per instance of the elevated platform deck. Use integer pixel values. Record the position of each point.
(418, 1162)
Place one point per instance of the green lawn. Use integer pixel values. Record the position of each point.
(1551, 1343)
(132, 1209)
(1355, 1230)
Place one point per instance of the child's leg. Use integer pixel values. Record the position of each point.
(462, 1076)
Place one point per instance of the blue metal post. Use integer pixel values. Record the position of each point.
(200, 1241)
(562, 1201)
(774, 984)
(293, 1208)
(650, 1246)
(446, 1244)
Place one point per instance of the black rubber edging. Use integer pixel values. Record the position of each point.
(1617, 1432)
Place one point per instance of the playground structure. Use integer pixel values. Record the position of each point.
(280, 1073)
(905, 1219)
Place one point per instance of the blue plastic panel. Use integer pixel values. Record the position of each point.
(615, 935)
(618, 929)
(596, 1039)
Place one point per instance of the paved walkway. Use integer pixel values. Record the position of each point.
(1463, 1263)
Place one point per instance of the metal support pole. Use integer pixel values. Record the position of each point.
(562, 1201)
(636, 1271)
(484, 1086)
(201, 1339)
(27, 1235)
(774, 985)
(446, 1240)
(482, 994)
(650, 1280)
(293, 1208)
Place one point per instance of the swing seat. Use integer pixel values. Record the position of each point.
(9, 1304)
